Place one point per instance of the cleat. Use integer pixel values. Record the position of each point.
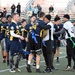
(38, 71)
(28, 68)
(47, 70)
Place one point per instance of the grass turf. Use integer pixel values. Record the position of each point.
(61, 66)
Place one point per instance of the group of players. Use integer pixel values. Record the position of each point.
(30, 40)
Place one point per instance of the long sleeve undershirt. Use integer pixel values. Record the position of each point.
(60, 32)
(14, 35)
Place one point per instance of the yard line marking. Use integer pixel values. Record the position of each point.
(25, 65)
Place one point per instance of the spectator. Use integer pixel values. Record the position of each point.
(4, 12)
(51, 8)
(13, 8)
(19, 9)
(29, 11)
(32, 7)
(39, 9)
(35, 11)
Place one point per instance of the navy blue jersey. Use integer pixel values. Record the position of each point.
(2, 30)
(37, 29)
(6, 28)
(14, 27)
(27, 27)
(23, 31)
(15, 46)
(57, 28)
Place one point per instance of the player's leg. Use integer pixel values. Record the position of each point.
(38, 63)
(53, 53)
(49, 56)
(12, 70)
(11, 59)
(58, 53)
(38, 52)
(45, 55)
(74, 61)
(34, 63)
(3, 50)
(7, 41)
(73, 54)
(29, 62)
(68, 49)
(7, 54)
(17, 63)
(58, 50)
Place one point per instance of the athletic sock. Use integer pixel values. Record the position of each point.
(37, 66)
(29, 62)
(4, 57)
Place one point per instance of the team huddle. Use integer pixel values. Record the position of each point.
(30, 40)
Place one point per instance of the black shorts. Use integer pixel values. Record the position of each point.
(33, 46)
(55, 44)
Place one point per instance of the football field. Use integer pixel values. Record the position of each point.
(4, 69)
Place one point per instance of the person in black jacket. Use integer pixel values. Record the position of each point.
(39, 9)
(13, 8)
(46, 47)
(19, 9)
(51, 8)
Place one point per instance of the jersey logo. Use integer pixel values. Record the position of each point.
(12, 28)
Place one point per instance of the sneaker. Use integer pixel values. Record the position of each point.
(12, 71)
(68, 68)
(47, 70)
(28, 68)
(18, 70)
(38, 71)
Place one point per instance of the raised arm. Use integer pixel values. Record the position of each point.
(60, 32)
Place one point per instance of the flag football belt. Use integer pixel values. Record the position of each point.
(71, 39)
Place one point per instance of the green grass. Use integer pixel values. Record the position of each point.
(61, 66)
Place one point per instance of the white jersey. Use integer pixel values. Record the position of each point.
(46, 38)
(74, 30)
(69, 27)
